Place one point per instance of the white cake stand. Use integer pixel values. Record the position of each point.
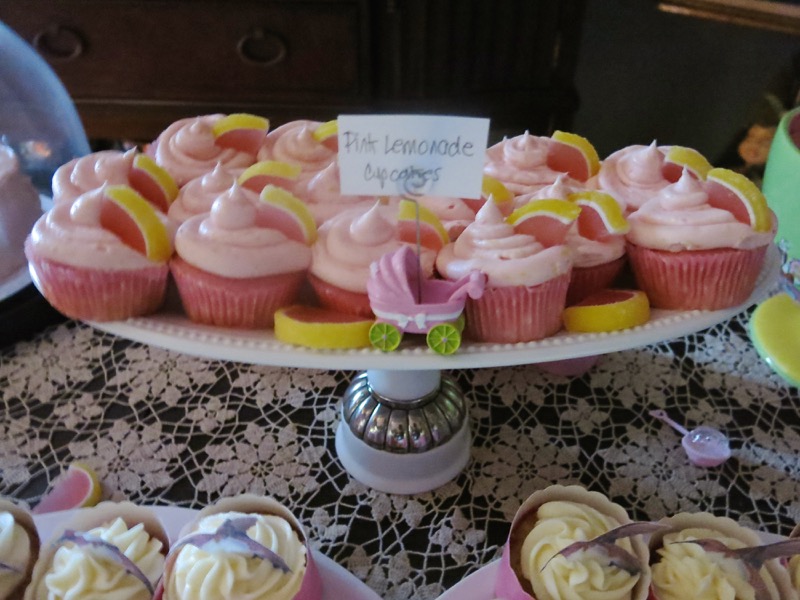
(404, 426)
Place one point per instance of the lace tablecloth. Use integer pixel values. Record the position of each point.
(164, 428)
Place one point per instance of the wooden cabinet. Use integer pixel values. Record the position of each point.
(133, 66)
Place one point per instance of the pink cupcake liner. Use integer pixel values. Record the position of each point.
(99, 294)
(696, 280)
(587, 280)
(226, 302)
(514, 314)
(341, 300)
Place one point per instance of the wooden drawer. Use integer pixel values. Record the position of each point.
(199, 51)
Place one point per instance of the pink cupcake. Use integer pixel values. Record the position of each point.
(520, 163)
(526, 284)
(687, 254)
(294, 143)
(90, 172)
(322, 194)
(198, 195)
(239, 263)
(632, 175)
(346, 246)
(20, 207)
(91, 261)
(188, 149)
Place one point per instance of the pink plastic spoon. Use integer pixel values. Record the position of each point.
(705, 446)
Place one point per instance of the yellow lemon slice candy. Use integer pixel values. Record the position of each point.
(573, 154)
(135, 221)
(608, 310)
(681, 157)
(432, 233)
(735, 193)
(321, 328)
(547, 220)
(601, 216)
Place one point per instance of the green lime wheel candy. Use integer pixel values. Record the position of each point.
(385, 336)
(444, 338)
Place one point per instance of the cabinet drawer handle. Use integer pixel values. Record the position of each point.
(262, 48)
(59, 43)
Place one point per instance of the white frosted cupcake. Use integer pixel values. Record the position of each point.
(243, 547)
(19, 549)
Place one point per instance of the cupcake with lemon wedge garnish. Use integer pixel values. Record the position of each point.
(527, 266)
(246, 258)
(701, 245)
(112, 550)
(310, 145)
(567, 543)
(19, 549)
(632, 175)
(351, 241)
(700, 555)
(102, 257)
(191, 147)
(323, 195)
(242, 547)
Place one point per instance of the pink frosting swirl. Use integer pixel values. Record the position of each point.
(294, 143)
(71, 234)
(351, 241)
(321, 192)
(231, 241)
(520, 163)
(187, 149)
(491, 246)
(560, 189)
(197, 196)
(680, 218)
(633, 175)
(90, 172)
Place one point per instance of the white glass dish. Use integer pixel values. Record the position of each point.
(337, 582)
(172, 330)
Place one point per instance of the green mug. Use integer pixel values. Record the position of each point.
(781, 184)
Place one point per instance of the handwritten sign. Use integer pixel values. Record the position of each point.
(393, 155)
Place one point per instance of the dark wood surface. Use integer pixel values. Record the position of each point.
(134, 66)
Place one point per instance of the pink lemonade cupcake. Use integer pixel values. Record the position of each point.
(689, 251)
(322, 194)
(296, 143)
(548, 522)
(242, 547)
(198, 195)
(20, 207)
(690, 559)
(102, 257)
(112, 550)
(526, 282)
(633, 175)
(192, 147)
(236, 265)
(520, 163)
(19, 549)
(90, 172)
(347, 245)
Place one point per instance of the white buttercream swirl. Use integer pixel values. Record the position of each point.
(81, 572)
(71, 234)
(187, 149)
(688, 571)
(507, 258)
(351, 241)
(90, 172)
(15, 551)
(197, 196)
(294, 143)
(203, 574)
(231, 241)
(680, 218)
(633, 175)
(520, 163)
(583, 575)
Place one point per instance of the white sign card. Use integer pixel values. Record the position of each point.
(412, 155)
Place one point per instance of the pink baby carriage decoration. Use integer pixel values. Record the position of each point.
(403, 300)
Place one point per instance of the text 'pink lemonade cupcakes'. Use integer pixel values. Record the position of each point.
(246, 258)
(526, 282)
(102, 257)
(548, 522)
(689, 251)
